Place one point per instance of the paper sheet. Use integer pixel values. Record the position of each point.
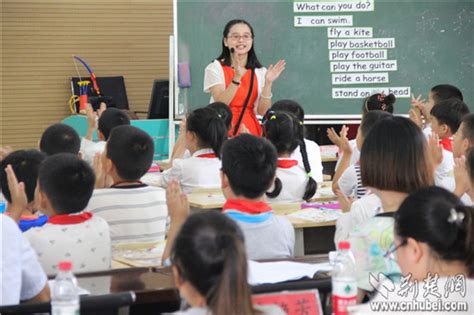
(275, 272)
(316, 215)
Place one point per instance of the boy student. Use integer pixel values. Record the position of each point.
(21, 275)
(437, 94)
(446, 117)
(135, 211)
(463, 143)
(65, 185)
(25, 164)
(60, 138)
(248, 170)
(108, 119)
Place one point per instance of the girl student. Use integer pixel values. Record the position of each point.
(210, 267)
(293, 183)
(312, 148)
(205, 133)
(434, 239)
(394, 163)
(378, 101)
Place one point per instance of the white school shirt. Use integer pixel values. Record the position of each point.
(21, 275)
(90, 148)
(135, 213)
(314, 158)
(350, 182)
(195, 172)
(214, 75)
(293, 180)
(85, 244)
(361, 210)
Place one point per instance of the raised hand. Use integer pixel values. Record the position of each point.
(340, 140)
(435, 149)
(19, 199)
(274, 71)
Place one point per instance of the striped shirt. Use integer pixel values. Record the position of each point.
(135, 213)
(350, 182)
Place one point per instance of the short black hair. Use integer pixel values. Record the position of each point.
(450, 112)
(224, 111)
(250, 164)
(67, 181)
(468, 128)
(111, 118)
(370, 119)
(289, 106)
(60, 138)
(445, 91)
(25, 164)
(131, 151)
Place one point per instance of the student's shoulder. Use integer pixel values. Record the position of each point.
(310, 144)
(282, 222)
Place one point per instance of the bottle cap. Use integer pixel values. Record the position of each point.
(344, 245)
(65, 265)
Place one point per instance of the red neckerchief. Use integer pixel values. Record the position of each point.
(447, 144)
(207, 155)
(287, 163)
(154, 169)
(63, 219)
(251, 207)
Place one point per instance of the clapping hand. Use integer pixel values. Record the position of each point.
(274, 71)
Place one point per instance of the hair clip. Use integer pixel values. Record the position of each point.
(273, 117)
(455, 217)
(381, 97)
(219, 115)
(301, 123)
(384, 106)
(310, 174)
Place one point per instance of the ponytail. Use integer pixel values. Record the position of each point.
(276, 190)
(311, 186)
(209, 127)
(231, 294)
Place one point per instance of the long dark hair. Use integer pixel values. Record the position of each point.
(435, 216)
(285, 131)
(209, 252)
(208, 127)
(252, 60)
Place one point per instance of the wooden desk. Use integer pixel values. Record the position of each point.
(156, 292)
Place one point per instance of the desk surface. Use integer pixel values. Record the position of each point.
(156, 284)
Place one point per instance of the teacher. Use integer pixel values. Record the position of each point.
(239, 80)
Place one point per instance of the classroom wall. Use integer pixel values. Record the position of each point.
(115, 37)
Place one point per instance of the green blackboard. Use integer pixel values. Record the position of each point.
(433, 44)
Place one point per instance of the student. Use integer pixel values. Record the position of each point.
(25, 164)
(446, 117)
(205, 134)
(135, 211)
(421, 108)
(463, 175)
(312, 148)
(179, 149)
(463, 138)
(210, 267)
(248, 170)
(60, 138)
(424, 253)
(293, 182)
(378, 101)
(347, 177)
(394, 162)
(65, 185)
(108, 119)
(21, 275)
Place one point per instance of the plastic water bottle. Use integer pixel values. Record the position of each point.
(344, 284)
(64, 296)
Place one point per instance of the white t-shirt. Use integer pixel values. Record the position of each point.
(90, 148)
(195, 172)
(214, 75)
(294, 180)
(314, 158)
(361, 210)
(21, 275)
(85, 244)
(135, 213)
(350, 182)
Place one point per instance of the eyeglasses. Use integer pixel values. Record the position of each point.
(236, 37)
(393, 248)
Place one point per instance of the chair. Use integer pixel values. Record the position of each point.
(159, 100)
(116, 303)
